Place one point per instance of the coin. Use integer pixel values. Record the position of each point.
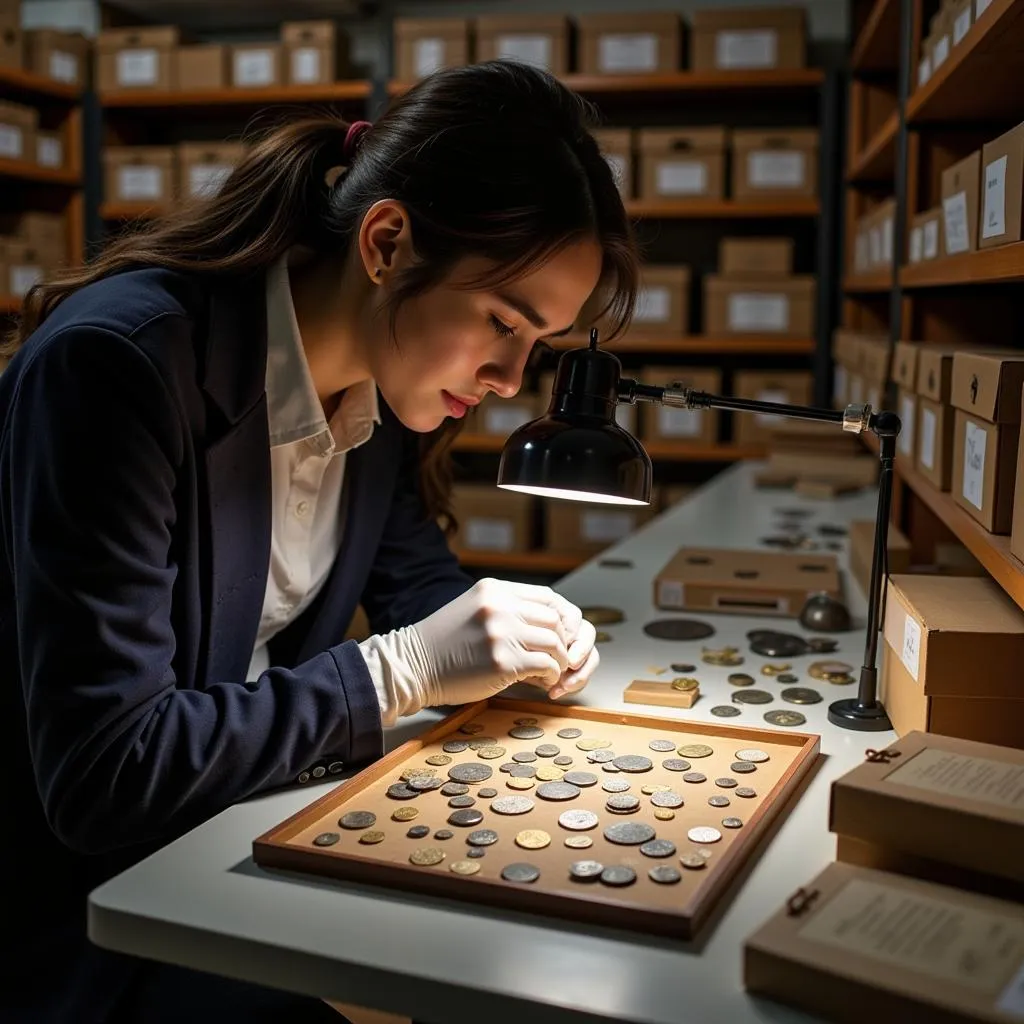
(461, 801)
(668, 798)
(801, 695)
(725, 711)
(583, 779)
(506, 767)
(682, 667)
(664, 813)
(618, 874)
(611, 768)
(547, 750)
(358, 820)
(486, 792)
(718, 801)
(524, 757)
(404, 813)
(774, 670)
(695, 777)
(685, 684)
(443, 833)
(664, 874)
(725, 782)
(601, 756)
(417, 773)
(464, 867)
(557, 791)
(601, 637)
(678, 629)
(579, 842)
(526, 732)
(563, 760)
(662, 745)
(840, 680)
(752, 697)
(371, 838)
(418, 831)
(439, 759)
(649, 788)
(425, 783)
(471, 728)
(482, 837)
(623, 802)
(786, 718)
(454, 789)
(741, 679)
(658, 848)
(732, 822)
(427, 856)
(633, 763)
(570, 733)
(695, 750)
(822, 644)
(549, 773)
(729, 656)
(522, 771)
(526, 721)
(601, 615)
(475, 851)
(578, 820)
(515, 782)
(592, 744)
(752, 754)
(826, 669)
(470, 772)
(704, 834)
(675, 764)
(629, 833)
(693, 861)
(585, 870)
(787, 677)
(479, 742)
(454, 746)
(743, 767)
(520, 873)
(490, 753)
(773, 644)
(326, 839)
(512, 805)
(746, 792)
(533, 839)
(615, 785)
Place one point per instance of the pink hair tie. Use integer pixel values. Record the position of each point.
(353, 137)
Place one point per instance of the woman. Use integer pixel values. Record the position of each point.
(200, 483)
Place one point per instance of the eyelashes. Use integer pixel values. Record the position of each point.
(501, 328)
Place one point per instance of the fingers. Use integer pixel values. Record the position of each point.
(540, 669)
(539, 640)
(574, 680)
(568, 613)
(580, 648)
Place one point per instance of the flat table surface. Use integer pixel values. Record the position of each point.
(202, 902)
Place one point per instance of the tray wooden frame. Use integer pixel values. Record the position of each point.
(586, 904)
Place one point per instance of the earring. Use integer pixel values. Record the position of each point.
(378, 272)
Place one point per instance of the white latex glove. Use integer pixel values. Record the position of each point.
(496, 634)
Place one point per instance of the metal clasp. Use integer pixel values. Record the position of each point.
(801, 901)
(880, 756)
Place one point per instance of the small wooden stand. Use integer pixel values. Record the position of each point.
(662, 695)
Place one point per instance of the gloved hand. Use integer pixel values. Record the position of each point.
(495, 634)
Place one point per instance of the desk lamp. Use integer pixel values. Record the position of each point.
(578, 451)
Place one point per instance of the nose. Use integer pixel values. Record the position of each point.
(504, 378)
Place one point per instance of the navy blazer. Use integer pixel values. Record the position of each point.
(135, 524)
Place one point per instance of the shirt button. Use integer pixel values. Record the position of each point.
(302, 508)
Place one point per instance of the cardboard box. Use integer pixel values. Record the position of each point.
(986, 392)
(733, 40)
(876, 946)
(906, 405)
(775, 164)
(10, 34)
(538, 39)
(961, 184)
(954, 646)
(875, 355)
(884, 223)
(616, 145)
(257, 65)
(663, 300)
(924, 63)
(629, 43)
(23, 266)
(934, 442)
(759, 306)
(139, 174)
(862, 542)
(50, 149)
(47, 233)
(203, 167)
(1002, 187)
(961, 13)
(315, 52)
(1017, 524)
(941, 36)
(661, 423)
(792, 387)
(925, 241)
(740, 582)
(755, 257)
(586, 528)
(63, 56)
(425, 45)
(18, 125)
(681, 163)
(904, 363)
(491, 519)
(201, 67)
(904, 374)
(935, 372)
(499, 417)
(136, 58)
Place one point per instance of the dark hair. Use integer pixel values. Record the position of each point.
(493, 160)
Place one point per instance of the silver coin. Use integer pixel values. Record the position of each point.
(454, 789)
(418, 831)
(455, 746)
(479, 742)
(471, 728)
(443, 833)
(482, 837)
(618, 874)
(465, 817)
(400, 791)
(547, 750)
(326, 839)
(585, 870)
(664, 873)
(675, 764)
(658, 848)
(611, 768)
(718, 801)
(461, 801)
(667, 798)
(471, 772)
(524, 757)
(725, 782)
(695, 777)
(692, 860)
(747, 792)
(751, 754)
(615, 785)
(520, 872)
(512, 805)
(486, 792)
(625, 802)
(358, 820)
(752, 697)
(704, 834)
(633, 763)
(662, 745)
(526, 732)
(523, 771)
(583, 779)
(786, 678)
(732, 822)
(425, 783)
(742, 767)
(629, 833)
(557, 791)
(578, 820)
(784, 718)
(600, 756)
(475, 851)
(319, 771)
(562, 760)
(569, 734)
(725, 711)
(801, 695)
(506, 767)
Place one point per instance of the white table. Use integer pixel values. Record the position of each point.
(202, 902)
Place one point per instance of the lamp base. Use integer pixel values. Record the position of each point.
(851, 714)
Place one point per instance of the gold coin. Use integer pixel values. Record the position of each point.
(426, 856)
(404, 813)
(651, 788)
(664, 813)
(579, 842)
(471, 728)
(601, 637)
(546, 773)
(439, 759)
(517, 783)
(371, 838)
(526, 721)
(685, 684)
(465, 867)
(533, 839)
(695, 750)
(774, 670)
(602, 616)
(416, 773)
(591, 744)
(490, 753)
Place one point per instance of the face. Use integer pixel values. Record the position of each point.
(453, 345)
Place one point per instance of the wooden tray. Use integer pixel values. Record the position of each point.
(677, 909)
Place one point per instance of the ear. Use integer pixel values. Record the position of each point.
(385, 239)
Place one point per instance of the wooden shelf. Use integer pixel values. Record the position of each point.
(877, 160)
(720, 208)
(218, 99)
(983, 78)
(9, 305)
(525, 561)
(130, 211)
(1003, 264)
(29, 84)
(878, 45)
(764, 344)
(664, 451)
(29, 171)
(875, 281)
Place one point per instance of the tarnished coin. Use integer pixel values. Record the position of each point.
(358, 820)
(633, 763)
(785, 718)
(786, 678)
(601, 756)
(728, 656)
(526, 721)
(801, 695)
(773, 644)
(752, 754)
(679, 629)
(741, 679)
(743, 767)
(533, 839)
(520, 873)
(658, 848)
(582, 779)
(526, 732)
(704, 834)
(524, 757)
(747, 792)
(515, 782)
(464, 867)
(629, 833)
(579, 842)
(427, 856)
(695, 750)
(695, 777)
(512, 805)
(417, 773)
(443, 833)
(665, 874)
(662, 745)
(471, 728)
(569, 733)
(490, 753)
(454, 789)
(547, 750)
(841, 680)
(592, 743)
(725, 711)
(563, 760)
(664, 813)
(549, 773)
(752, 697)
(460, 801)
(615, 785)
(824, 670)
(718, 801)
(558, 791)
(522, 771)
(649, 788)
(622, 802)
(326, 838)
(454, 746)
(578, 820)
(682, 667)
(371, 838)
(585, 870)
(486, 792)
(439, 759)
(418, 831)
(610, 768)
(725, 782)
(774, 670)
(506, 767)
(470, 772)
(685, 684)
(618, 875)
(669, 798)
(693, 861)
(601, 615)
(732, 822)
(675, 764)
(479, 742)
(425, 783)
(475, 851)
(404, 813)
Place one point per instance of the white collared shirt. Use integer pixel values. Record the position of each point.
(307, 468)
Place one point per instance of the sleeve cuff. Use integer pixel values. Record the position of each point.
(366, 736)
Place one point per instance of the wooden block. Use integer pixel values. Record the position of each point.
(663, 695)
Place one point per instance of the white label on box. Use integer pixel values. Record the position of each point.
(49, 151)
(980, 7)
(633, 51)
(994, 221)
(1011, 1002)
(12, 142)
(910, 653)
(503, 419)
(926, 450)
(916, 244)
(913, 930)
(839, 381)
(954, 774)
(254, 67)
(64, 66)
(887, 241)
(924, 71)
(137, 67)
(940, 52)
(23, 277)
(931, 239)
(527, 49)
(428, 56)
(682, 178)
(750, 49)
(607, 527)
(139, 183)
(207, 179)
(617, 163)
(856, 389)
(752, 311)
(906, 443)
(306, 65)
(770, 395)
(670, 594)
(961, 26)
(680, 422)
(875, 237)
(954, 209)
(974, 463)
(768, 169)
(652, 305)
(489, 534)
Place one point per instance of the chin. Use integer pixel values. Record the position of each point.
(421, 421)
